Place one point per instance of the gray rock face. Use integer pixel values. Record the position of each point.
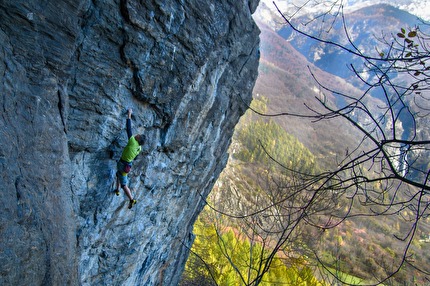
(70, 69)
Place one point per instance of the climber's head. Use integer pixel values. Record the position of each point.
(140, 138)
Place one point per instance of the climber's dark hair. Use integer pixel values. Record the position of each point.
(140, 138)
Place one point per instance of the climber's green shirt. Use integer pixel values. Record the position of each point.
(131, 150)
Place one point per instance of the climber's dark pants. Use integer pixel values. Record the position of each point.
(121, 173)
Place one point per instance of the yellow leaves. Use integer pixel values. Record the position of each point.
(232, 257)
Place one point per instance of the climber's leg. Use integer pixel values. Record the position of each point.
(127, 192)
(117, 185)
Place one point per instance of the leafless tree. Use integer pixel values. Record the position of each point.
(388, 171)
(385, 175)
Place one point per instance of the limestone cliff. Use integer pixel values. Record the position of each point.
(70, 69)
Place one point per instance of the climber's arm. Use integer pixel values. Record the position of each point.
(128, 124)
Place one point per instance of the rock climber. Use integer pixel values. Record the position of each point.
(129, 153)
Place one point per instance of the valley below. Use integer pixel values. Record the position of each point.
(261, 198)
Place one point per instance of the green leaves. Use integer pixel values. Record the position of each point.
(408, 38)
(412, 34)
(402, 33)
(414, 55)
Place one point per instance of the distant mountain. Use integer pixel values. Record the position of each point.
(284, 73)
(285, 79)
(415, 7)
(367, 28)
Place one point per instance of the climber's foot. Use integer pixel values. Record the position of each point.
(117, 192)
(131, 203)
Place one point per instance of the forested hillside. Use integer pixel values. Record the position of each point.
(255, 199)
(284, 78)
(266, 206)
(233, 243)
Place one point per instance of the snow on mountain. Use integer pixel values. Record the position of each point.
(291, 8)
(415, 7)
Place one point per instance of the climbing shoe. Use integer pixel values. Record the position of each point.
(117, 192)
(131, 203)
